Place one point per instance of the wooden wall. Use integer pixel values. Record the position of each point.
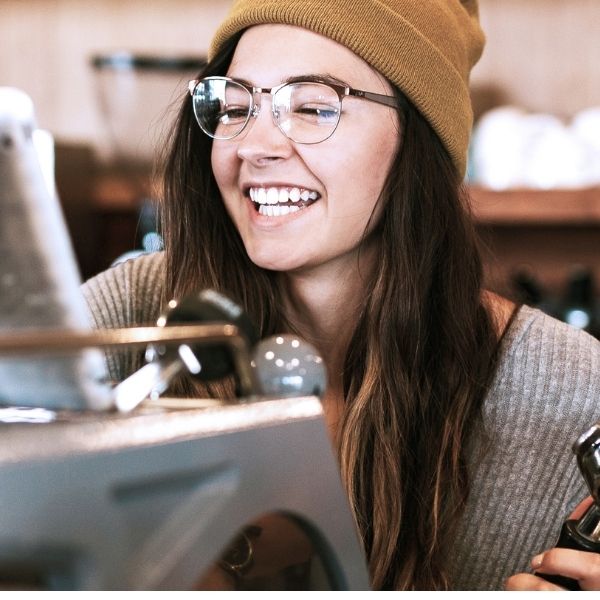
(543, 55)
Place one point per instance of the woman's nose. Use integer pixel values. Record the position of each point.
(262, 141)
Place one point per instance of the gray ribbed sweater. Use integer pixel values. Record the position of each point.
(546, 392)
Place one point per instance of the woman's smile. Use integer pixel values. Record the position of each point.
(280, 201)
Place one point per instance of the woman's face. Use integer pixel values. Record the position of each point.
(345, 173)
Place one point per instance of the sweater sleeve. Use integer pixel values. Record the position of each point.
(126, 295)
(525, 479)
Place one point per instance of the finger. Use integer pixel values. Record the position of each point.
(527, 582)
(576, 564)
(581, 508)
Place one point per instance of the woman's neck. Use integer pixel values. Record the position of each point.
(324, 306)
(324, 309)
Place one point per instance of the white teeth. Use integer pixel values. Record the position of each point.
(279, 198)
(261, 196)
(276, 211)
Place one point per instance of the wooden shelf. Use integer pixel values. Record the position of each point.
(579, 207)
(114, 193)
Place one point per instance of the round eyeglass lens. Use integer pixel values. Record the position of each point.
(222, 108)
(307, 113)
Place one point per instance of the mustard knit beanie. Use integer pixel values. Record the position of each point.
(426, 47)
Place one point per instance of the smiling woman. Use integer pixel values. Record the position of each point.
(314, 175)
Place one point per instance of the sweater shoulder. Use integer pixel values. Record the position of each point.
(127, 294)
(551, 361)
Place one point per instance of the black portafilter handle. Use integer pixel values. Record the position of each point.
(583, 533)
(216, 360)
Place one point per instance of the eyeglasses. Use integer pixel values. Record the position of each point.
(307, 112)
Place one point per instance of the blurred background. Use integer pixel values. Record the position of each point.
(105, 77)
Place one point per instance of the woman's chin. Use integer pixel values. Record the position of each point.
(277, 260)
(271, 264)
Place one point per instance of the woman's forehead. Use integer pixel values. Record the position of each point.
(267, 55)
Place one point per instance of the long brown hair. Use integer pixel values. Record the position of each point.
(422, 355)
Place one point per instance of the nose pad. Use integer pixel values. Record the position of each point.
(256, 106)
(276, 114)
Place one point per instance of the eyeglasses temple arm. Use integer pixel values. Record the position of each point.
(391, 101)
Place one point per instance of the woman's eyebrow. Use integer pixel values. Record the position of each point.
(317, 78)
(311, 77)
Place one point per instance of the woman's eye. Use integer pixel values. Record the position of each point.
(318, 112)
(232, 113)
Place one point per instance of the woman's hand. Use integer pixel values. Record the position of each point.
(575, 564)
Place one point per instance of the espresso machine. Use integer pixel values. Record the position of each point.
(121, 487)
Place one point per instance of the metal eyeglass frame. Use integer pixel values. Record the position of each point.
(254, 108)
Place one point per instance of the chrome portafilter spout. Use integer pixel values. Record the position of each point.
(583, 533)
